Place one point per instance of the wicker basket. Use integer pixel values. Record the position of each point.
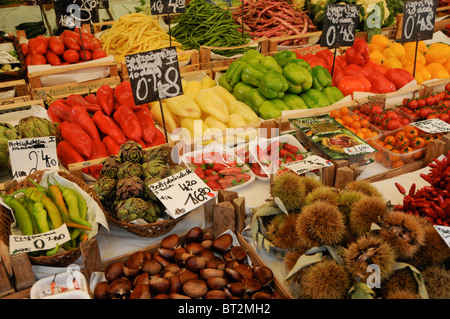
(62, 259)
(149, 230)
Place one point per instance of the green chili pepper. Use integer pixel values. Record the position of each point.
(52, 251)
(40, 216)
(21, 214)
(71, 199)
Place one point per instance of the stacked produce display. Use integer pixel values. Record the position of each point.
(317, 224)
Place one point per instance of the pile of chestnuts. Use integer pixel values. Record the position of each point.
(201, 267)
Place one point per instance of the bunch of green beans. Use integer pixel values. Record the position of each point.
(205, 24)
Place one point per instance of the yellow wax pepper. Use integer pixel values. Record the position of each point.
(395, 50)
(379, 42)
(411, 46)
(437, 71)
(411, 55)
(438, 52)
(377, 57)
(392, 63)
(422, 74)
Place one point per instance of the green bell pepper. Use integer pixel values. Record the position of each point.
(294, 102)
(299, 78)
(273, 85)
(321, 77)
(234, 71)
(223, 82)
(255, 99)
(270, 63)
(272, 109)
(240, 91)
(283, 57)
(252, 56)
(301, 62)
(252, 73)
(333, 94)
(315, 98)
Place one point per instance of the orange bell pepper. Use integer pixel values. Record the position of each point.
(411, 46)
(377, 57)
(437, 71)
(438, 52)
(447, 65)
(349, 84)
(392, 63)
(379, 42)
(410, 56)
(422, 74)
(395, 50)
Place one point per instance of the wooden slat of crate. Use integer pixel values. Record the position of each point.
(21, 94)
(434, 86)
(273, 42)
(64, 90)
(20, 106)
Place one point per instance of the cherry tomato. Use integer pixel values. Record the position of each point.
(421, 102)
(425, 112)
(405, 101)
(430, 100)
(393, 125)
(445, 117)
(413, 104)
(447, 87)
(377, 110)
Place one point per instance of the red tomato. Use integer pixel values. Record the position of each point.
(447, 87)
(430, 100)
(71, 56)
(377, 110)
(98, 54)
(52, 58)
(96, 44)
(445, 117)
(421, 102)
(56, 45)
(424, 113)
(25, 49)
(88, 55)
(85, 42)
(393, 125)
(37, 59)
(71, 43)
(41, 44)
(413, 104)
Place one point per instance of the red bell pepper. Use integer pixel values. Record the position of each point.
(373, 67)
(338, 74)
(77, 137)
(356, 70)
(358, 53)
(340, 62)
(326, 55)
(160, 138)
(78, 100)
(147, 124)
(111, 146)
(60, 109)
(349, 84)
(68, 155)
(380, 84)
(399, 77)
(98, 151)
(363, 48)
(80, 116)
(124, 95)
(313, 60)
(105, 97)
(128, 122)
(107, 126)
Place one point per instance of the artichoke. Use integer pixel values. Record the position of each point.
(155, 168)
(148, 194)
(105, 188)
(153, 212)
(128, 169)
(158, 153)
(111, 165)
(131, 208)
(7, 133)
(176, 169)
(131, 151)
(129, 187)
(34, 126)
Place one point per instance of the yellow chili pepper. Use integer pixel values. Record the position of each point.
(377, 57)
(395, 50)
(379, 42)
(437, 71)
(392, 63)
(410, 56)
(438, 52)
(411, 46)
(422, 74)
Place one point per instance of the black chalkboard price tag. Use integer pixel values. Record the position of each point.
(154, 75)
(167, 6)
(74, 13)
(418, 20)
(339, 26)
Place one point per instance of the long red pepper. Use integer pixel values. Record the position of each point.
(105, 97)
(107, 126)
(111, 146)
(124, 95)
(60, 109)
(80, 116)
(128, 122)
(77, 137)
(68, 155)
(79, 100)
(147, 124)
(98, 151)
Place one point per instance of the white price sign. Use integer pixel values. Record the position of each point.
(6, 58)
(32, 154)
(182, 192)
(432, 126)
(359, 149)
(308, 164)
(444, 231)
(37, 242)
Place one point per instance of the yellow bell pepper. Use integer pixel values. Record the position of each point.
(447, 65)
(392, 63)
(211, 103)
(170, 119)
(207, 82)
(246, 111)
(438, 52)
(422, 74)
(211, 121)
(411, 46)
(236, 120)
(224, 93)
(395, 50)
(377, 57)
(184, 106)
(410, 56)
(379, 42)
(437, 71)
(191, 88)
(196, 127)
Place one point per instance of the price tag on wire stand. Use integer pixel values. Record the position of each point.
(182, 192)
(308, 164)
(418, 20)
(74, 13)
(444, 232)
(32, 154)
(339, 26)
(167, 6)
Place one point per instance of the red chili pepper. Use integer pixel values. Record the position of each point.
(257, 170)
(124, 95)
(60, 109)
(147, 124)
(78, 100)
(68, 155)
(77, 137)
(80, 116)
(211, 178)
(298, 157)
(218, 167)
(199, 171)
(111, 146)
(98, 151)
(160, 138)
(213, 185)
(53, 117)
(91, 99)
(128, 122)
(400, 188)
(105, 97)
(429, 212)
(291, 148)
(284, 153)
(230, 171)
(107, 126)
(412, 190)
(262, 155)
(274, 146)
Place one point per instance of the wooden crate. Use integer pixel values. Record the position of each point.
(22, 93)
(214, 224)
(64, 90)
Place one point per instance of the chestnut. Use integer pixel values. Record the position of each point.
(141, 291)
(216, 283)
(151, 266)
(143, 278)
(207, 243)
(215, 294)
(195, 288)
(120, 287)
(232, 274)
(194, 248)
(160, 259)
(238, 253)
(135, 260)
(251, 285)
(161, 296)
(206, 273)
(131, 272)
(244, 270)
(175, 284)
(208, 255)
(101, 290)
(261, 295)
(236, 288)
(222, 243)
(159, 284)
(114, 271)
(185, 275)
(170, 241)
(167, 254)
(174, 295)
(194, 235)
(173, 268)
(195, 263)
(263, 274)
